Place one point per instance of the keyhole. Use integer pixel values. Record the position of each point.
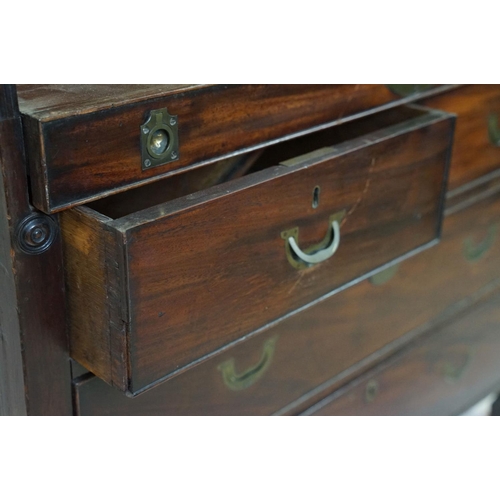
(315, 202)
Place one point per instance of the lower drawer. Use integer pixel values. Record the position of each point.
(445, 374)
(285, 362)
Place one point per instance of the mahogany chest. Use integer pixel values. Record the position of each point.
(249, 249)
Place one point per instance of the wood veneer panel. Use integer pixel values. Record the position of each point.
(56, 102)
(328, 342)
(85, 144)
(474, 154)
(34, 360)
(209, 268)
(444, 374)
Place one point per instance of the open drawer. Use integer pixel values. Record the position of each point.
(154, 289)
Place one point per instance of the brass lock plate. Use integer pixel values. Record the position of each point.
(159, 139)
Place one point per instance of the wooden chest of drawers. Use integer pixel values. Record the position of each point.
(249, 249)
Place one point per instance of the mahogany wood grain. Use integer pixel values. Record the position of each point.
(84, 142)
(56, 102)
(187, 277)
(445, 373)
(474, 155)
(89, 317)
(324, 345)
(34, 360)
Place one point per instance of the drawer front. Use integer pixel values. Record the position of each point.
(476, 149)
(78, 153)
(183, 279)
(287, 361)
(445, 374)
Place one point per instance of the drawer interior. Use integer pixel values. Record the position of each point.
(187, 183)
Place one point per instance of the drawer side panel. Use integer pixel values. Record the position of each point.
(94, 293)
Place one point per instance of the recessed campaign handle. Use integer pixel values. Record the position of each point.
(318, 253)
(476, 251)
(239, 381)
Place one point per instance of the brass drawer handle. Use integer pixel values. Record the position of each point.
(476, 251)
(494, 130)
(317, 253)
(238, 382)
(405, 90)
(382, 277)
(453, 372)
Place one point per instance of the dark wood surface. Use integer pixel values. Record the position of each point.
(394, 343)
(327, 344)
(186, 278)
(88, 295)
(474, 155)
(84, 143)
(34, 361)
(56, 102)
(234, 263)
(12, 397)
(446, 373)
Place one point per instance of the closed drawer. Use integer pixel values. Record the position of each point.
(445, 374)
(325, 343)
(476, 149)
(85, 140)
(156, 290)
